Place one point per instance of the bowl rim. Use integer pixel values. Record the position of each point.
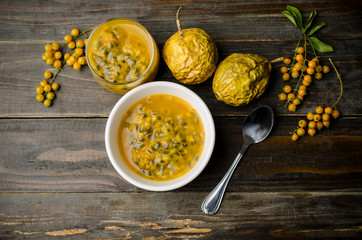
(148, 69)
(189, 176)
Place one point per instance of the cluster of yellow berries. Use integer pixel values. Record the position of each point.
(321, 118)
(303, 69)
(53, 56)
(75, 58)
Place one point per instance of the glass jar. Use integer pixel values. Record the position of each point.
(122, 54)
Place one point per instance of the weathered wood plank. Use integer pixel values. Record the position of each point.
(68, 155)
(278, 215)
(81, 96)
(224, 20)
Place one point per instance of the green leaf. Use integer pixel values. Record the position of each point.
(315, 29)
(313, 14)
(290, 17)
(298, 16)
(320, 46)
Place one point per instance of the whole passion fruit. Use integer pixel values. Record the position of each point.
(240, 78)
(191, 54)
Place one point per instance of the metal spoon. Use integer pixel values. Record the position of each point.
(256, 128)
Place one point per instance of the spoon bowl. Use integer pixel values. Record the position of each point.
(256, 128)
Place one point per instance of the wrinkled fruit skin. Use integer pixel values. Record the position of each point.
(193, 59)
(240, 78)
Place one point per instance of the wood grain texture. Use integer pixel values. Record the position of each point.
(56, 180)
(68, 155)
(243, 215)
(27, 28)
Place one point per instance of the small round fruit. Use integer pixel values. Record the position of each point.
(50, 95)
(74, 32)
(297, 101)
(312, 64)
(47, 102)
(291, 96)
(39, 89)
(318, 75)
(302, 123)
(73, 58)
(55, 46)
(298, 66)
(295, 74)
(49, 61)
(319, 110)
(85, 41)
(326, 69)
(300, 50)
(315, 60)
(307, 78)
(43, 83)
(66, 56)
(47, 88)
(300, 97)
(300, 132)
(283, 96)
(302, 92)
(55, 86)
(76, 66)
(68, 38)
(48, 55)
(319, 125)
(302, 87)
(287, 61)
(306, 83)
(286, 76)
(325, 117)
(295, 137)
(292, 107)
(69, 62)
(317, 117)
(48, 74)
(318, 68)
(57, 64)
(58, 55)
(71, 45)
(78, 51)
(310, 71)
(310, 116)
(287, 88)
(43, 57)
(311, 131)
(79, 43)
(335, 114)
(328, 110)
(40, 97)
(326, 123)
(48, 48)
(283, 69)
(81, 60)
(299, 57)
(312, 124)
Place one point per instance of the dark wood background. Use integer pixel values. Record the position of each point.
(56, 179)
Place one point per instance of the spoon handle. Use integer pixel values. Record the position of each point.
(213, 201)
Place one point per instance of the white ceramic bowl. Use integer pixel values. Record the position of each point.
(126, 102)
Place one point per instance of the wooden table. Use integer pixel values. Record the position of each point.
(57, 181)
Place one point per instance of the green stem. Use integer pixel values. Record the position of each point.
(295, 54)
(54, 76)
(302, 70)
(340, 81)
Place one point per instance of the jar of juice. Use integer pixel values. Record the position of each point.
(122, 54)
